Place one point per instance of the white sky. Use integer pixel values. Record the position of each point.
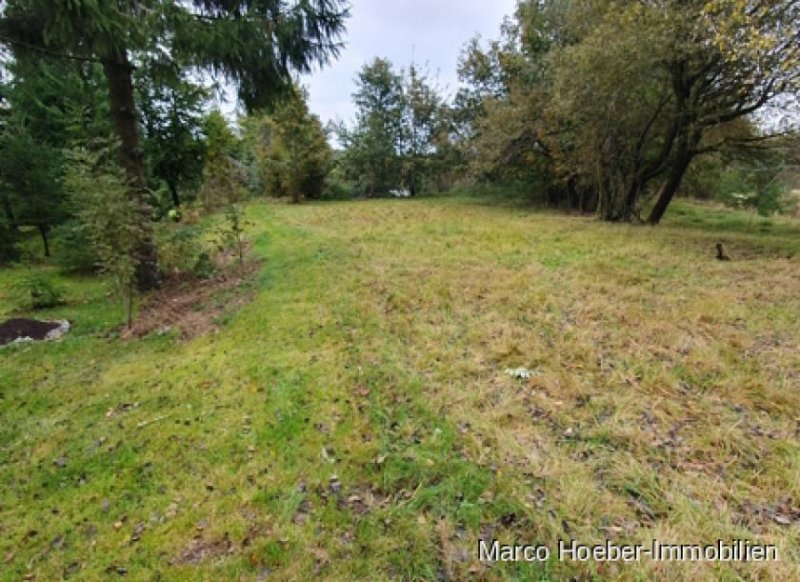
(432, 32)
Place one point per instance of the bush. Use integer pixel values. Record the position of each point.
(37, 292)
(72, 249)
(224, 182)
(204, 267)
(336, 190)
(179, 248)
(742, 189)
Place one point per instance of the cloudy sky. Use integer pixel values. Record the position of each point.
(430, 32)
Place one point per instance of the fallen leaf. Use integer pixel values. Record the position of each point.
(781, 519)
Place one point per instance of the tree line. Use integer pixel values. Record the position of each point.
(599, 107)
(608, 108)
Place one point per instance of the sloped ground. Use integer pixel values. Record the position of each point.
(355, 422)
(191, 306)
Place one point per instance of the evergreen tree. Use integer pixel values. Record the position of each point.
(255, 45)
(422, 121)
(172, 120)
(291, 150)
(373, 146)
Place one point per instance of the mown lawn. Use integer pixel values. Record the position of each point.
(355, 421)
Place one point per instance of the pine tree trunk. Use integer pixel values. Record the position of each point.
(119, 74)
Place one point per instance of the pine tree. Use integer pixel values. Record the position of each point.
(255, 45)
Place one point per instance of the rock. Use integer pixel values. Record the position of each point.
(59, 332)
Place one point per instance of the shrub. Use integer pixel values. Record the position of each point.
(233, 235)
(178, 248)
(224, 181)
(37, 292)
(204, 267)
(336, 187)
(72, 249)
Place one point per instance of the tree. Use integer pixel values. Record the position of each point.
(172, 118)
(30, 183)
(400, 129)
(223, 175)
(49, 106)
(373, 145)
(291, 150)
(421, 123)
(722, 72)
(111, 218)
(255, 45)
(615, 100)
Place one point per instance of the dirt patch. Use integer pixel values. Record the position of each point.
(18, 328)
(191, 305)
(200, 550)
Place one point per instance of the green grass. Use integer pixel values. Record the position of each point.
(354, 421)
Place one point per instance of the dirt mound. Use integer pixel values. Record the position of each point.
(18, 328)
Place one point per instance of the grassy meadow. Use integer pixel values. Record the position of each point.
(354, 421)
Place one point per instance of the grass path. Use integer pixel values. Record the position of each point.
(355, 422)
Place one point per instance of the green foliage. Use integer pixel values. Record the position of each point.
(291, 153)
(30, 179)
(110, 216)
(61, 103)
(224, 177)
(38, 292)
(747, 188)
(9, 251)
(422, 126)
(401, 139)
(336, 186)
(204, 266)
(224, 181)
(172, 126)
(233, 234)
(47, 106)
(255, 45)
(220, 141)
(372, 159)
(73, 250)
(610, 103)
(179, 248)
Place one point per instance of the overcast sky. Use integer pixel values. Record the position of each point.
(431, 32)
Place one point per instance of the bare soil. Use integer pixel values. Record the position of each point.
(14, 329)
(192, 305)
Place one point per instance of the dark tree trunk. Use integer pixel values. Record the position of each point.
(589, 200)
(573, 197)
(176, 199)
(631, 197)
(119, 74)
(671, 185)
(43, 230)
(12, 220)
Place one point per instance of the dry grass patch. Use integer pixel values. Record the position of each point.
(665, 395)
